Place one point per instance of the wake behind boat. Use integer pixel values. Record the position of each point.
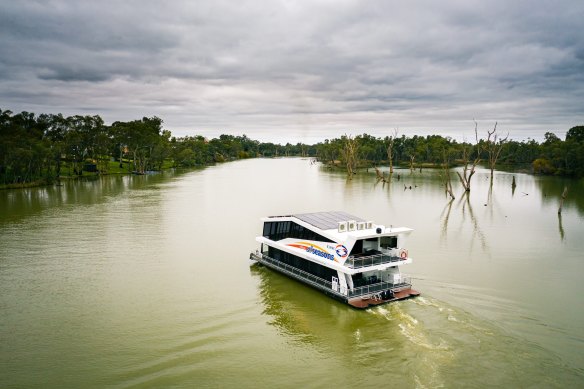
(346, 257)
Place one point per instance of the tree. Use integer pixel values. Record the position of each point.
(543, 166)
(161, 150)
(550, 138)
(494, 145)
(445, 173)
(467, 151)
(575, 134)
(190, 151)
(328, 151)
(367, 148)
(24, 154)
(349, 153)
(55, 133)
(389, 142)
(121, 133)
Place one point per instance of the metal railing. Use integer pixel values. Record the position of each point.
(327, 285)
(370, 260)
(380, 286)
(300, 274)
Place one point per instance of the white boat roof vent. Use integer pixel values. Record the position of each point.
(351, 225)
(342, 226)
(360, 226)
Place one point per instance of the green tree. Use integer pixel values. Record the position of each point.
(575, 134)
(144, 141)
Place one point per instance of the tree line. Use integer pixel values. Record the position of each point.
(42, 148)
(553, 156)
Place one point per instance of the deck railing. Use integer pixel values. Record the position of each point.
(370, 260)
(297, 273)
(321, 283)
(381, 286)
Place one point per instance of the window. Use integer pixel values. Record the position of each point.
(357, 248)
(282, 230)
(302, 264)
(388, 242)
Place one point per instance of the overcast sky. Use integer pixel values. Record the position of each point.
(300, 70)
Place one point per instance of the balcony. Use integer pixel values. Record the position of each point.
(358, 262)
(381, 286)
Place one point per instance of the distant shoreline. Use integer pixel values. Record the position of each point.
(38, 150)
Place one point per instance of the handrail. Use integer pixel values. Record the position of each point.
(324, 284)
(371, 260)
(300, 273)
(379, 287)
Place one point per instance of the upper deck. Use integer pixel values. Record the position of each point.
(337, 240)
(338, 226)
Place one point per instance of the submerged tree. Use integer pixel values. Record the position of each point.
(467, 151)
(446, 175)
(494, 145)
(389, 142)
(564, 194)
(349, 153)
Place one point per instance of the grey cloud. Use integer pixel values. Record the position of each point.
(71, 74)
(297, 66)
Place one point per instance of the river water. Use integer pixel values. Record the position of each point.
(145, 281)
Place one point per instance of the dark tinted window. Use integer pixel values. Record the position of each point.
(282, 230)
(302, 264)
(388, 242)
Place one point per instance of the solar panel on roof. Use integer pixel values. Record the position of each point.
(326, 220)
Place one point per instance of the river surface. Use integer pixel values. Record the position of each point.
(145, 281)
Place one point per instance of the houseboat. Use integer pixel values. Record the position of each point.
(348, 258)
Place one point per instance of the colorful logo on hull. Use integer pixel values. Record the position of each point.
(312, 249)
(341, 251)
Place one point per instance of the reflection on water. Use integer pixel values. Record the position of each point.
(445, 216)
(551, 192)
(464, 205)
(20, 203)
(291, 307)
(477, 232)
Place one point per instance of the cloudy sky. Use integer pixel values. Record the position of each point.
(293, 70)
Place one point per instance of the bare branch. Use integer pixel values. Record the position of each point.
(390, 142)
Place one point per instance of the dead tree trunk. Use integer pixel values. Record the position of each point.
(412, 159)
(467, 172)
(389, 149)
(379, 174)
(564, 194)
(350, 155)
(446, 176)
(494, 147)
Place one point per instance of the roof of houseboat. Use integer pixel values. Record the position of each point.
(326, 220)
(322, 220)
(328, 224)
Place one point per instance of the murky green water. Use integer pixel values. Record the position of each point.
(145, 282)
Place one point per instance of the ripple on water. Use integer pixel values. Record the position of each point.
(197, 346)
(450, 345)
